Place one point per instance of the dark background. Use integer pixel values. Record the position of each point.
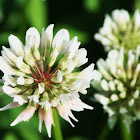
(82, 18)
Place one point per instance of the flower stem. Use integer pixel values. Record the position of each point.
(126, 129)
(104, 133)
(57, 127)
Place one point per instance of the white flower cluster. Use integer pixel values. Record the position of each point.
(120, 30)
(41, 74)
(118, 83)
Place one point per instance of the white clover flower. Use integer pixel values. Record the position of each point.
(120, 30)
(40, 74)
(117, 81)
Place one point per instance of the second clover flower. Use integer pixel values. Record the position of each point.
(120, 30)
(117, 81)
(41, 75)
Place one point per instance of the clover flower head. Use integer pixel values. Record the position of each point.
(120, 30)
(117, 81)
(41, 75)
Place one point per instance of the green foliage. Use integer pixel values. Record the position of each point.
(92, 5)
(36, 12)
(57, 127)
(10, 136)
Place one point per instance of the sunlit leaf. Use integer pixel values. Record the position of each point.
(36, 13)
(10, 136)
(91, 5)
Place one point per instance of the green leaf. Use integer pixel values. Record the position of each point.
(10, 136)
(92, 5)
(137, 4)
(36, 13)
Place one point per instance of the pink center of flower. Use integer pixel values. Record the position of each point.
(41, 75)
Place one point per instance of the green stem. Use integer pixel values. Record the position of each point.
(57, 127)
(104, 133)
(126, 129)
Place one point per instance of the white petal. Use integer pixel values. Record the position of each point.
(20, 99)
(10, 80)
(64, 112)
(64, 97)
(59, 76)
(41, 87)
(104, 85)
(76, 103)
(80, 57)
(47, 36)
(9, 106)
(77, 85)
(72, 47)
(136, 94)
(6, 59)
(137, 19)
(5, 68)
(102, 66)
(71, 66)
(113, 54)
(32, 37)
(34, 98)
(54, 103)
(20, 80)
(9, 54)
(46, 104)
(16, 45)
(25, 115)
(114, 97)
(97, 75)
(40, 116)
(102, 99)
(60, 37)
(53, 57)
(9, 90)
(48, 119)
(22, 66)
(87, 73)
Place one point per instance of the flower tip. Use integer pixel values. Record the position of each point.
(13, 124)
(11, 37)
(91, 66)
(1, 109)
(49, 135)
(91, 108)
(73, 125)
(3, 47)
(76, 120)
(39, 130)
(52, 25)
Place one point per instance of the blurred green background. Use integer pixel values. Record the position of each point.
(82, 18)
